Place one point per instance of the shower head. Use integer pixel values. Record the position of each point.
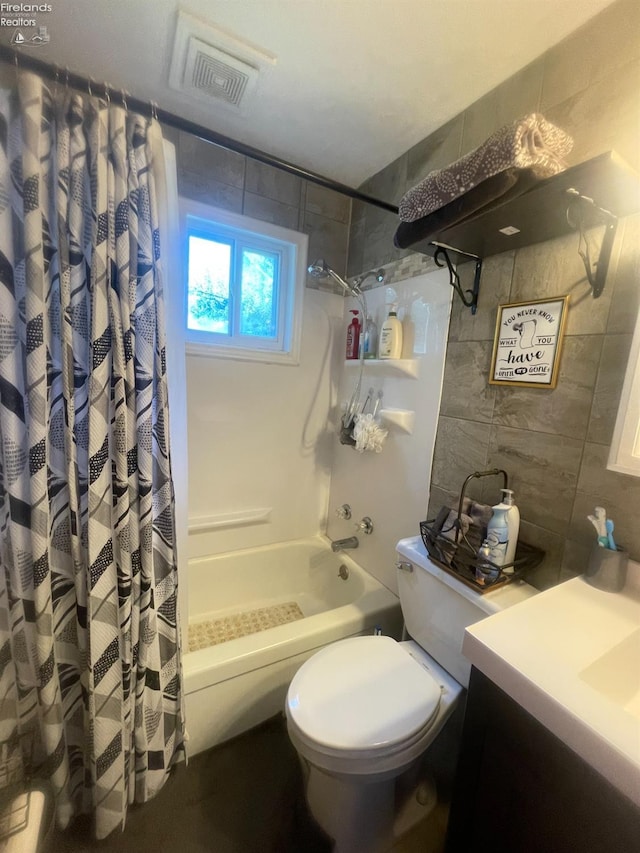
(320, 269)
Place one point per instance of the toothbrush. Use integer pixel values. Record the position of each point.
(602, 540)
(377, 404)
(601, 515)
(610, 540)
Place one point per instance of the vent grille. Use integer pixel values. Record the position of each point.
(213, 67)
(212, 74)
(218, 79)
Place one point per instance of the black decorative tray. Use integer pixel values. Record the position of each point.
(458, 555)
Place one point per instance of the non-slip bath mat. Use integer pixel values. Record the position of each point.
(214, 631)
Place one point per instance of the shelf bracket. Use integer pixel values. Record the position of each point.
(442, 251)
(578, 205)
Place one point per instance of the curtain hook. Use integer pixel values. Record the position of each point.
(154, 110)
(66, 77)
(89, 82)
(123, 95)
(107, 94)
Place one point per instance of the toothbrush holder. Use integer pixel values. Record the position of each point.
(607, 569)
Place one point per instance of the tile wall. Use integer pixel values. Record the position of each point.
(553, 443)
(213, 175)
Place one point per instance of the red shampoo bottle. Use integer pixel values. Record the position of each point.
(353, 336)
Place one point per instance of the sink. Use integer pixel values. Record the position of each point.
(571, 657)
(616, 674)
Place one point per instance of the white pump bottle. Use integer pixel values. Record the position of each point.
(502, 531)
(391, 336)
(513, 523)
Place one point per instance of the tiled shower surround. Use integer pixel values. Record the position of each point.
(553, 443)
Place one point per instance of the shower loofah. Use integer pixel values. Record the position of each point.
(368, 434)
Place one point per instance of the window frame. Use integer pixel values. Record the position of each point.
(209, 222)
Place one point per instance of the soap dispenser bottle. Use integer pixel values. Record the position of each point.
(498, 534)
(513, 525)
(353, 336)
(391, 335)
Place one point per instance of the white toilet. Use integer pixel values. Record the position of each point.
(362, 711)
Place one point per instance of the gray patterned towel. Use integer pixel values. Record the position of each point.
(531, 143)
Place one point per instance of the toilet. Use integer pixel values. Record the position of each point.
(363, 711)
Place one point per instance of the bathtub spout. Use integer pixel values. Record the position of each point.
(343, 544)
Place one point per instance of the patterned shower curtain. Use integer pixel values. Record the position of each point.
(90, 678)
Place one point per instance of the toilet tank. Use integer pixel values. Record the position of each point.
(437, 607)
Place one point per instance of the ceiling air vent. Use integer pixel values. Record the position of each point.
(212, 66)
(217, 74)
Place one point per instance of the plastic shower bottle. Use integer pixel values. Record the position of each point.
(353, 336)
(370, 338)
(391, 335)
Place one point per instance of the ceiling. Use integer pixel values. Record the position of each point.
(355, 83)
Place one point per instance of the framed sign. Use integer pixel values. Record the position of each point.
(527, 343)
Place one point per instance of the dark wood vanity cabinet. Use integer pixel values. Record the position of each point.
(519, 789)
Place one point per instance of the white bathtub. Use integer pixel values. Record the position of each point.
(235, 685)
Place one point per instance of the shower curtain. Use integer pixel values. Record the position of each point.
(90, 677)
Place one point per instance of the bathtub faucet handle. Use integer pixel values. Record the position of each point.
(365, 526)
(344, 512)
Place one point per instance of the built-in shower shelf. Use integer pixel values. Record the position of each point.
(393, 366)
(401, 420)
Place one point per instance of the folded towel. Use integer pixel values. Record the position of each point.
(490, 193)
(529, 143)
(480, 514)
(448, 524)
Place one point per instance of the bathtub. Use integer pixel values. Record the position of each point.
(237, 684)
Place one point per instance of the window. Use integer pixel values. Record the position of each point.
(244, 282)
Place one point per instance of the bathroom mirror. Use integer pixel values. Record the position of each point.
(624, 455)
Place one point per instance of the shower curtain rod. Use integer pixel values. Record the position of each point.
(77, 81)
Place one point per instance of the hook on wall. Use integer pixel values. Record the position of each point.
(471, 301)
(579, 206)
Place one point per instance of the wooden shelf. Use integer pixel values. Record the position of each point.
(540, 214)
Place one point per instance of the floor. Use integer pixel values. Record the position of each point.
(244, 796)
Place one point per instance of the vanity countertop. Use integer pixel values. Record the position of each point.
(571, 657)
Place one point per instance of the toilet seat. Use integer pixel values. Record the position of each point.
(364, 700)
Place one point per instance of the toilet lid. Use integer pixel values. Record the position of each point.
(362, 693)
